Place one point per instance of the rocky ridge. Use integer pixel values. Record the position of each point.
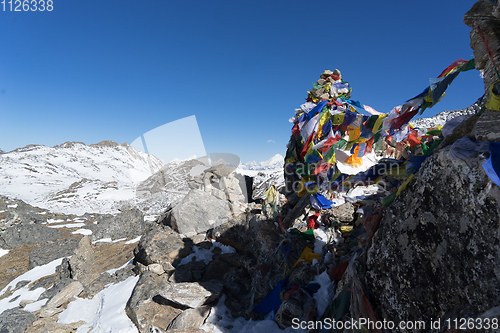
(441, 118)
(75, 178)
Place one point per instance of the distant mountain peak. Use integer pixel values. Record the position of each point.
(75, 178)
(275, 162)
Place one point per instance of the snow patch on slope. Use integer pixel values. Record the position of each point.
(74, 178)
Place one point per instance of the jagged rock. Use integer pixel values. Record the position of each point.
(235, 187)
(66, 294)
(437, 245)
(168, 268)
(198, 212)
(129, 223)
(484, 19)
(160, 245)
(344, 212)
(15, 321)
(55, 289)
(192, 294)
(487, 126)
(105, 279)
(44, 325)
(24, 234)
(64, 270)
(98, 284)
(124, 273)
(145, 309)
(156, 268)
(46, 253)
(83, 262)
(190, 319)
(173, 176)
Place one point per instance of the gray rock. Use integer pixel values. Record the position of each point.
(83, 263)
(487, 126)
(66, 294)
(344, 212)
(55, 289)
(64, 270)
(129, 223)
(235, 187)
(48, 252)
(436, 247)
(193, 294)
(160, 245)
(168, 268)
(190, 319)
(145, 309)
(156, 268)
(15, 321)
(45, 282)
(124, 273)
(198, 212)
(220, 170)
(172, 177)
(28, 234)
(98, 284)
(17, 212)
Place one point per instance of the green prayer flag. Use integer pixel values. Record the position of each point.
(387, 201)
(307, 235)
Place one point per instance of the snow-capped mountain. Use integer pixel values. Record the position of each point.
(275, 162)
(441, 118)
(74, 178)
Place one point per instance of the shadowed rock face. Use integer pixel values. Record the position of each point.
(437, 254)
(484, 20)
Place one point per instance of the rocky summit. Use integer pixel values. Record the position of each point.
(369, 223)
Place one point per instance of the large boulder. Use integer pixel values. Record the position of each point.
(436, 252)
(145, 308)
(161, 245)
(193, 294)
(83, 263)
(66, 294)
(198, 212)
(190, 319)
(128, 223)
(15, 321)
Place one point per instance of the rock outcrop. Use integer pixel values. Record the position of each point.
(218, 195)
(436, 253)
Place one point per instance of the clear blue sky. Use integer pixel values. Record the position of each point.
(95, 70)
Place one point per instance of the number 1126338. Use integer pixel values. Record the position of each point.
(26, 5)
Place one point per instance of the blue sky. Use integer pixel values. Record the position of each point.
(94, 70)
